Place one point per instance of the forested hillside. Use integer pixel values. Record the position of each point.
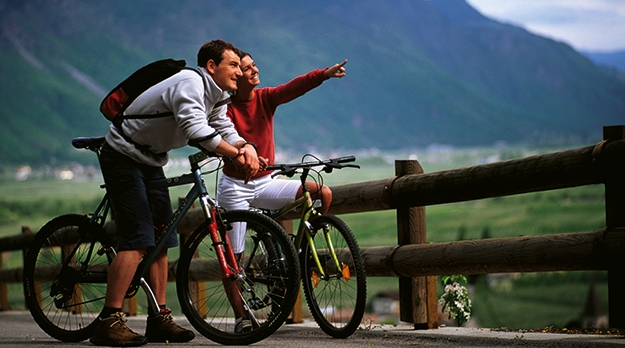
(419, 72)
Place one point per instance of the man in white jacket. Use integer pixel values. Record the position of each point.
(136, 151)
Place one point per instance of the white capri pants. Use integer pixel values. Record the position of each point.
(263, 193)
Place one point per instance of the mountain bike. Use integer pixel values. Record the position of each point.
(333, 271)
(65, 269)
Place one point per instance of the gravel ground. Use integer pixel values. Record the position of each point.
(17, 329)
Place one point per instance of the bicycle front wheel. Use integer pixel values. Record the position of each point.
(65, 277)
(263, 294)
(336, 294)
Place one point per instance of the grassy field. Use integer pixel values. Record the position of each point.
(514, 301)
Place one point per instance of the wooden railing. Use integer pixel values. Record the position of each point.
(416, 263)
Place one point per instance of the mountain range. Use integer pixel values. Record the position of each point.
(420, 72)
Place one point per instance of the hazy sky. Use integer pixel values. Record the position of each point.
(587, 25)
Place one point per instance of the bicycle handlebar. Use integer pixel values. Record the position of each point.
(288, 169)
(329, 165)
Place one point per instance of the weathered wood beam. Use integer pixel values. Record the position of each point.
(555, 252)
(557, 170)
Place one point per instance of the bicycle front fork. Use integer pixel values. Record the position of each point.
(342, 268)
(221, 242)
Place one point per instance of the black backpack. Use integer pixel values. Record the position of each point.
(120, 97)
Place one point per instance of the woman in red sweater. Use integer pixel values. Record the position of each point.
(252, 111)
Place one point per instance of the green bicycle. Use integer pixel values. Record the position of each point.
(332, 268)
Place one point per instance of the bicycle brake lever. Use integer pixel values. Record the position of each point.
(285, 170)
(334, 164)
(289, 173)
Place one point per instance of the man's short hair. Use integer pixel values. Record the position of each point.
(214, 50)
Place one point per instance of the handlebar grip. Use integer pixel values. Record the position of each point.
(345, 159)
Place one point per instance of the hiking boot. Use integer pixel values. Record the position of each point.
(112, 331)
(161, 328)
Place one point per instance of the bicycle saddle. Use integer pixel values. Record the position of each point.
(86, 142)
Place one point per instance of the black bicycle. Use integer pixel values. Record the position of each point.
(65, 269)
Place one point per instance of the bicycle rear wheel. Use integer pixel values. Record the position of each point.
(65, 277)
(336, 300)
(266, 290)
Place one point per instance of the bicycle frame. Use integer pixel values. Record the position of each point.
(227, 260)
(304, 230)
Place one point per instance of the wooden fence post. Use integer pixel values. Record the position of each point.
(417, 295)
(27, 230)
(615, 217)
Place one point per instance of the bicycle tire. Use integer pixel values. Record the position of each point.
(337, 303)
(66, 302)
(272, 275)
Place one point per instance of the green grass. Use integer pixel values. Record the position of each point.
(33, 202)
(536, 300)
(580, 209)
(524, 301)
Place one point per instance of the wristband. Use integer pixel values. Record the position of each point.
(250, 143)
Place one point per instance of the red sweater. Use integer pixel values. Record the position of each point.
(253, 119)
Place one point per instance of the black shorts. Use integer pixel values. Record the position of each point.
(138, 210)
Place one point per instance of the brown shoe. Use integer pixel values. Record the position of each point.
(112, 331)
(161, 328)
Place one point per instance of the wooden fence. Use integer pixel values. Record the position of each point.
(416, 262)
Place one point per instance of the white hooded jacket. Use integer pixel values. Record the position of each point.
(199, 112)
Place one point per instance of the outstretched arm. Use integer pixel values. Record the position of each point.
(298, 86)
